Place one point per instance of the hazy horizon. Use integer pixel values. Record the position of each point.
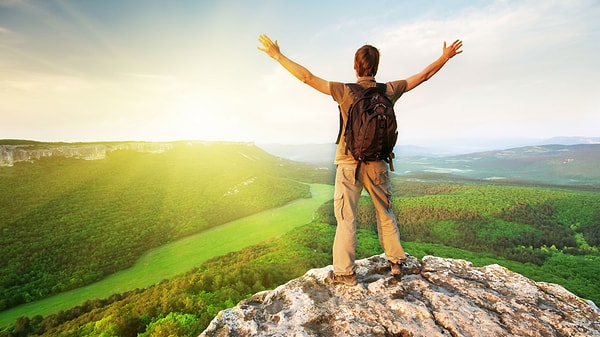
(431, 147)
(112, 71)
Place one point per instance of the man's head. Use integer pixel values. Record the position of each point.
(366, 61)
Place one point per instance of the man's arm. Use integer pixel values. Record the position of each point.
(272, 49)
(447, 54)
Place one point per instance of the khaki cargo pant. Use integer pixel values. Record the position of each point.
(374, 177)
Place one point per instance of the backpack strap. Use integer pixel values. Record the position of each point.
(354, 87)
(339, 136)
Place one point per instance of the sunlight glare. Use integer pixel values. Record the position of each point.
(197, 117)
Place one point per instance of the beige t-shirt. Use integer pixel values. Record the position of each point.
(343, 96)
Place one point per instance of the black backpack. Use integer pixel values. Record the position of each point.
(371, 130)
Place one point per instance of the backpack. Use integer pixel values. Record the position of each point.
(371, 129)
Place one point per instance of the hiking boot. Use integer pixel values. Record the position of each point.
(396, 269)
(349, 280)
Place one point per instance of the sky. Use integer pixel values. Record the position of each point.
(161, 70)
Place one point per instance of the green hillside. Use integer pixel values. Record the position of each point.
(67, 223)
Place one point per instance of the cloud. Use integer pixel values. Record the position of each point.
(9, 39)
(11, 3)
(194, 72)
(516, 75)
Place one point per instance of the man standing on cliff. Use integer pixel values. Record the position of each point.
(351, 178)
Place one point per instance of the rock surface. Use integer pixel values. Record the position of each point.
(11, 154)
(435, 297)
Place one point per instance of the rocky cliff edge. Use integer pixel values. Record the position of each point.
(435, 297)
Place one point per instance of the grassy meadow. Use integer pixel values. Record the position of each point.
(155, 244)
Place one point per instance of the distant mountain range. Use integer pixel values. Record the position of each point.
(559, 160)
(464, 146)
(548, 164)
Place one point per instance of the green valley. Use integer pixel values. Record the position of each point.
(155, 244)
(67, 223)
(176, 258)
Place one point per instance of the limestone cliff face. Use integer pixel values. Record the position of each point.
(11, 154)
(435, 297)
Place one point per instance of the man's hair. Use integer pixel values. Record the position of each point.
(366, 60)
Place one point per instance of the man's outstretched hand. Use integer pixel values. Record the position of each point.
(453, 49)
(269, 47)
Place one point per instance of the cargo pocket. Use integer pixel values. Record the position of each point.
(338, 205)
(345, 176)
(381, 178)
(384, 186)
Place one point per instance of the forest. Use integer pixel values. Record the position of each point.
(55, 209)
(131, 202)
